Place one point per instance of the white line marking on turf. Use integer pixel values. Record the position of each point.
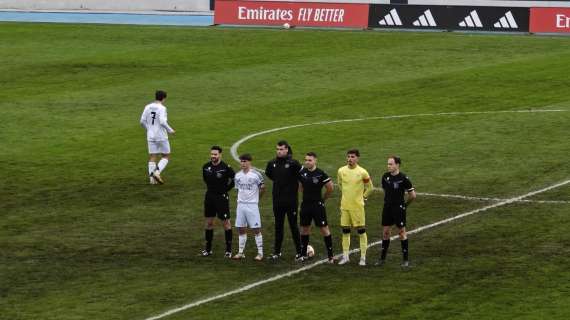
(236, 145)
(456, 196)
(317, 263)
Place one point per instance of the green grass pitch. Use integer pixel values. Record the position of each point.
(83, 236)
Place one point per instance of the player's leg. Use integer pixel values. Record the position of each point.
(164, 148)
(306, 218)
(327, 237)
(401, 223)
(228, 237)
(279, 215)
(254, 222)
(359, 223)
(209, 214)
(241, 224)
(208, 236)
(345, 223)
(293, 225)
(152, 158)
(223, 211)
(387, 222)
(259, 243)
(321, 221)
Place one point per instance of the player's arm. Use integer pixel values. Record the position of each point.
(368, 186)
(231, 180)
(143, 117)
(204, 174)
(411, 197)
(269, 170)
(261, 189)
(329, 187)
(410, 190)
(164, 122)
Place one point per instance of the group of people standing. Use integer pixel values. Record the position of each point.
(289, 177)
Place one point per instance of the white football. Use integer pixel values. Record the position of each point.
(310, 251)
(286, 25)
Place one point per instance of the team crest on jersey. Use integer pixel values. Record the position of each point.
(209, 169)
(315, 180)
(287, 166)
(396, 184)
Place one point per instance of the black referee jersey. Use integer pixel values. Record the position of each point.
(313, 182)
(219, 178)
(395, 187)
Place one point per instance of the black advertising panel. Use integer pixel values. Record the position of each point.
(503, 19)
(408, 17)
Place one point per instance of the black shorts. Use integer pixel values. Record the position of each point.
(217, 205)
(394, 215)
(313, 211)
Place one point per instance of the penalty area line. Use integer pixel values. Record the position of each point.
(317, 263)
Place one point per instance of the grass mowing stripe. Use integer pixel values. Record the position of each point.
(311, 266)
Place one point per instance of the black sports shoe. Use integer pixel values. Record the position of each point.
(380, 262)
(206, 253)
(228, 254)
(299, 258)
(275, 256)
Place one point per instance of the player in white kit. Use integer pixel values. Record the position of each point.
(155, 121)
(250, 186)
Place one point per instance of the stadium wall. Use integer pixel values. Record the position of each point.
(108, 5)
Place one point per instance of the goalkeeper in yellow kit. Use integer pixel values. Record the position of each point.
(355, 185)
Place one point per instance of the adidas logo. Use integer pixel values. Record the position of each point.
(425, 20)
(391, 19)
(471, 21)
(506, 22)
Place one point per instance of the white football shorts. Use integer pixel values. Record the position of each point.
(247, 215)
(155, 147)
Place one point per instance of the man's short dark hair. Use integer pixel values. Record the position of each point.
(311, 154)
(160, 95)
(282, 143)
(246, 156)
(216, 148)
(397, 159)
(354, 152)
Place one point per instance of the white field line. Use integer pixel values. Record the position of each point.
(317, 263)
(457, 196)
(235, 146)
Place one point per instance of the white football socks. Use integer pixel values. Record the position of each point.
(151, 167)
(242, 241)
(162, 164)
(259, 243)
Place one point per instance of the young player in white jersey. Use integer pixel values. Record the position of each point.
(155, 121)
(250, 186)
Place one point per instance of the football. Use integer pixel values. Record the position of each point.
(310, 251)
(286, 26)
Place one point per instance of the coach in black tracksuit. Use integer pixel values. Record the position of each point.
(283, 172)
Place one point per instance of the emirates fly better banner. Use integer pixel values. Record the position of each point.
(550, 20)
(310, 14)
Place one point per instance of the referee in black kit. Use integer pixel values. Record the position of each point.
(219, 179)
(283, 171)
(312, 180)
(395, 185)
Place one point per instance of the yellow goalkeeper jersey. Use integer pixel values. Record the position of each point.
(354, 184)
